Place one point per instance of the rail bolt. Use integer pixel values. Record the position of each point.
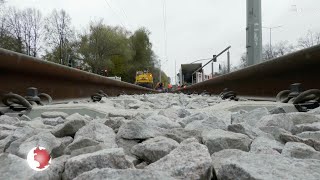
(32, 95)
(295, 90)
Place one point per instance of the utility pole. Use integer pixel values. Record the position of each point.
(270, 29)
(212, 65)
(254, 32)
(212, 69)
(228, 59)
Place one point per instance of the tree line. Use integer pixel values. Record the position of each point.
(100, 48)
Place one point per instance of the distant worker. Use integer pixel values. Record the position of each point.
(159, 86)
(169, 87)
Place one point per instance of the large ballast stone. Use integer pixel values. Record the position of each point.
(235, 164)
(194, 117)
(19, 135)
(140, 129)
(217, 140)
(306, 127)
(70, 127)
(54, 114)
(288, 121)
(115, 122)
(53, 121)
(64, 142)
(126, 144)
(14, 167)
(274, 131)
(43, 139)
(189, 161)
(244, 128)
(93, 134)
(251, 117)
(180, 134)
(266, 145)
(54, 171)
(4, 119)
(174, 113)
(162, 122)
(6, 130)
(291, 138)
(109, 158)
(207, 124)
(310, 135)
(117, 174)
(153, 149)
(300, 151)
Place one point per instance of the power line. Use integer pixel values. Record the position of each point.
(165, 30)
(114, 12)
(124, 15)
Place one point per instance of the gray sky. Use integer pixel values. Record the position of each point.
(195, 28)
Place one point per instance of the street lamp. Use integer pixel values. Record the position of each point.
(270, 28)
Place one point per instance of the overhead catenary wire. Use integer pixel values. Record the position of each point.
(164, 13)
(114, 12)
(124, 15)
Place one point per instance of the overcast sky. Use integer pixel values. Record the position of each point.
(195, 28)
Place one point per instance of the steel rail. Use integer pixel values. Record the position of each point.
(18, 72)
(265, 80)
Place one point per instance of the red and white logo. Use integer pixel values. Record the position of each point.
(39, 158)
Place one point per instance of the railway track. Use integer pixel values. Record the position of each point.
(264, 81)
(18, 72)
(164, 136)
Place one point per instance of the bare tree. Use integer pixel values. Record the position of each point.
(2, 21)
(277, 50)
(21, 30)
(31, 30)
(243, 60)
(311, 39)
(13, 27)
(59, 33)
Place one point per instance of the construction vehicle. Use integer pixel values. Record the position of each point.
(144, 79)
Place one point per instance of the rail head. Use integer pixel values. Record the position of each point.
(268, 78)
(19, 71)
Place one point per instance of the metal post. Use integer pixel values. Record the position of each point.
(175, 72)
(202, 75)
(254, 32)
(228, 57)
(270, 41)
(214, 59)
(212, 69)
(160, 72)
(192, 79)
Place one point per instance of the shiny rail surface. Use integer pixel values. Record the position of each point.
(265, 80)
(19, 72)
